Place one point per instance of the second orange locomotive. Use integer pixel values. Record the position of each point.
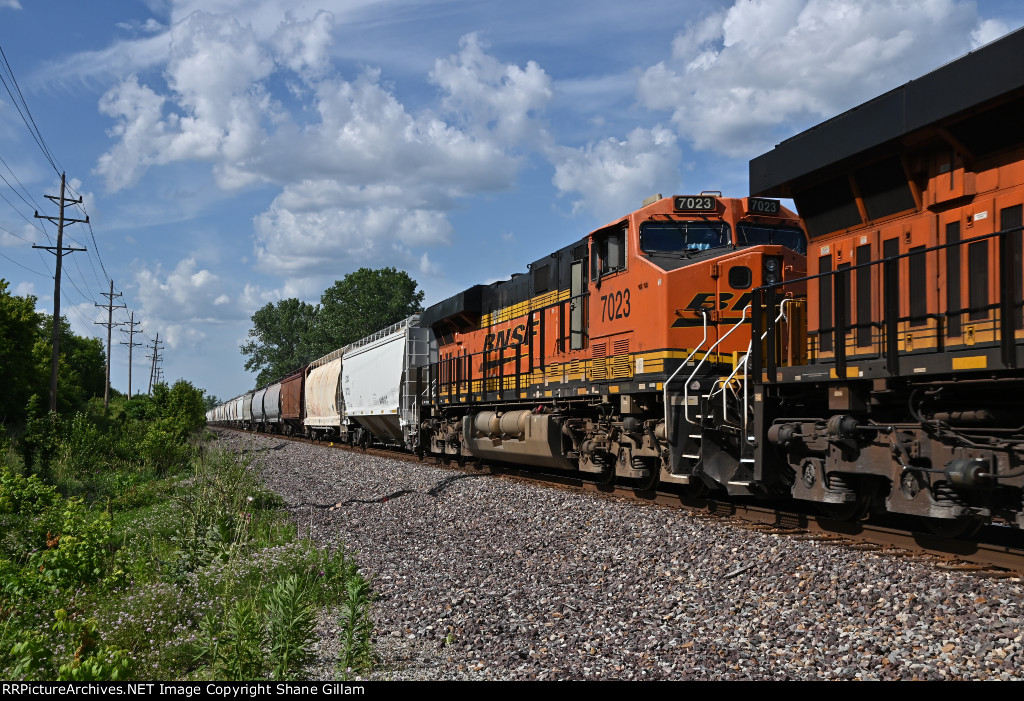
(596, 359)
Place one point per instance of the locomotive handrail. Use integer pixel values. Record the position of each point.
(686, 387)
(746, 371)
(668, 426)
(1007, 306)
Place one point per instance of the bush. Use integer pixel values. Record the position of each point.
(81, 552)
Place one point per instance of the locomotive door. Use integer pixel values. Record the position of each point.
(1012, 217)
(577, 306)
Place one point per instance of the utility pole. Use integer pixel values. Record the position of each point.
(110, 325)
(131, 344)
(156, 359)
(60, 251)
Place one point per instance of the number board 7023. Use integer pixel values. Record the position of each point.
(615, 305)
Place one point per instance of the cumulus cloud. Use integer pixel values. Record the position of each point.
(175, 303)
(339, 235)
(492, 96)
(219, 104)
(302, 45)
(613, 176)
(739, 80)
(363, 178)
(988, 30)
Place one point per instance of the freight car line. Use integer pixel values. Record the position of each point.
(982, 558)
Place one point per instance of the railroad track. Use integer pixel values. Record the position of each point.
(992, 553)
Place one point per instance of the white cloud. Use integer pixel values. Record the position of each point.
(141, 133)
(10, 5)
(82, 317)
(610, 177)
(363, 178)
(740, 80)
(988, 30)
(339, 238)
(490, 95)
(302, 45)
(214, 76)
(176, 303)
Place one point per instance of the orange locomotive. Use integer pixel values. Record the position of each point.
(596, 359)
(910, 399)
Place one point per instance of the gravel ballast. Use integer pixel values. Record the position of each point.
(479, 577)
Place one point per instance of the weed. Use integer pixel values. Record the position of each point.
(290, 624)
(356, 630)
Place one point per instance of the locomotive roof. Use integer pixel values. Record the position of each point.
(983, 75)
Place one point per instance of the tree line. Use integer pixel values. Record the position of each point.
(287, 335)
(26, 349)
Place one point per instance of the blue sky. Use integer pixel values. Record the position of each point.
(234, 152)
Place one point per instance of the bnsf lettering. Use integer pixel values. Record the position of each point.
(506, 338)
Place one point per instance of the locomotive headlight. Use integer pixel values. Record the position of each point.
(770, 278)
(771, 265)
(771, 270)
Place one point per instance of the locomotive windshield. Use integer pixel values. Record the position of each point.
(756, 234)
(682, 237)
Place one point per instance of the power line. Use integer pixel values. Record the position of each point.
(30, 122)
(24, 266)
(17, 181)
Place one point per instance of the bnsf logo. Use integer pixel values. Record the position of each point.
(711, 302)
(706, 301)
(506, 338)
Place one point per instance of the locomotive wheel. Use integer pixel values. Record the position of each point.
(850, 511)
(606, 477)
(653, 479)
(696, 489)
(963, 527)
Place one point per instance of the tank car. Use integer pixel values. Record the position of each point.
(908, 400)
(596, 359)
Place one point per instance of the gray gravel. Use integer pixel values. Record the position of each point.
(483, 578)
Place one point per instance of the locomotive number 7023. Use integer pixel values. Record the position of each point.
(615, 305)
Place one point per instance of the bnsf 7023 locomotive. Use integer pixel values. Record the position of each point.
(596, 358)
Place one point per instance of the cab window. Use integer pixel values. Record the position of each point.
(608, 252)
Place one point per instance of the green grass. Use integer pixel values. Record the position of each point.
(119, 569)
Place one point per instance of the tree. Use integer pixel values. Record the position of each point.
(279, 340)
(81, 369)
(19, 328)
(364, 302)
